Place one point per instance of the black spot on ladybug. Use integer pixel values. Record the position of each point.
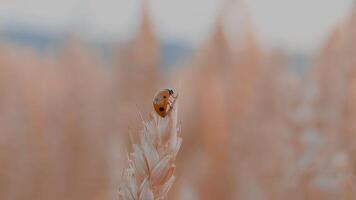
(164, 97)
(161, 109)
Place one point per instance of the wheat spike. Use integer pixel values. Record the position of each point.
(149, 174)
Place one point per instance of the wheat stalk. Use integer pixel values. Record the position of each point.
(149, 174)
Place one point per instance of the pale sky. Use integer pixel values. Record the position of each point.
(293, 24)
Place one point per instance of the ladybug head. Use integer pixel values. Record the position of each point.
(170, 91)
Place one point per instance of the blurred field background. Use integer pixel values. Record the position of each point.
(265, 114)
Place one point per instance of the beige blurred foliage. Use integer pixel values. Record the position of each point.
(251, 129)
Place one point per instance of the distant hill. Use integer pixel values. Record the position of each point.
(38, 38)
(172, 52)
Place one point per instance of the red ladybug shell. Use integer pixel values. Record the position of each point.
(162, 102)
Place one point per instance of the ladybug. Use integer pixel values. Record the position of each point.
(163, 101)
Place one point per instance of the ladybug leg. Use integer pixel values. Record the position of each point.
(171, 103)
(172, 98)
(175, 96)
